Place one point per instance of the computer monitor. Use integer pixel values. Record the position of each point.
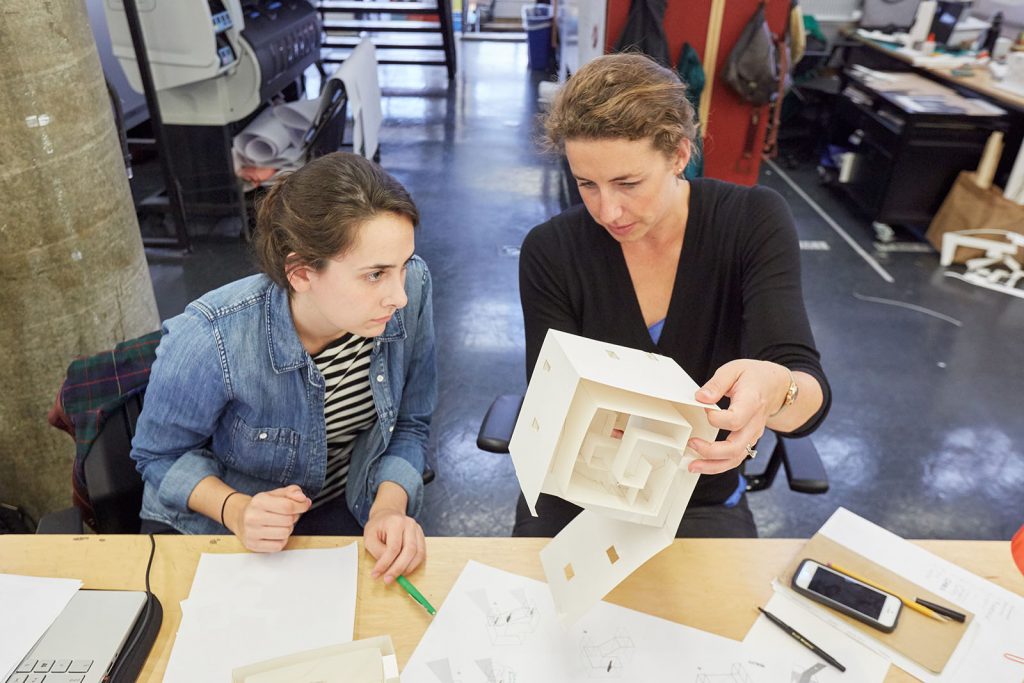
(947, 14)
(889, 16)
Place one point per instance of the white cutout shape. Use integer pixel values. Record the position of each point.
(605, 427)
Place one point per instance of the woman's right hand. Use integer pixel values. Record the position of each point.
(264, 522)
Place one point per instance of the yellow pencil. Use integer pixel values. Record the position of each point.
(908, 603)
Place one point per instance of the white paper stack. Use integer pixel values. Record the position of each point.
(247, 607)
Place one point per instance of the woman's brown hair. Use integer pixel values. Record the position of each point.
(314, 214)
(626, 96)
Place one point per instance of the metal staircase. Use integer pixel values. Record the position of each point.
(403, 31)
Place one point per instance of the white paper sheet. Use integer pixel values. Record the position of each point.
(250, 607)
(993, 642)
(358, 73)
(496, 626)
(863, 664)
(29, 605)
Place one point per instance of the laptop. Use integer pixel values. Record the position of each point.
(84, 641)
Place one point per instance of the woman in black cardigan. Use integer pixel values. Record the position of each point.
(703, 271)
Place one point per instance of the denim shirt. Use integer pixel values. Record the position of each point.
(233, 394)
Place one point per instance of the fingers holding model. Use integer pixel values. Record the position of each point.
(757, 391)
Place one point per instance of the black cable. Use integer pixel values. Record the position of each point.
(140, 624)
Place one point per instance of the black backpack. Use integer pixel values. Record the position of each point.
(752, 69)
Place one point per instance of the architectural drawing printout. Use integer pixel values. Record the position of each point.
(497, 627)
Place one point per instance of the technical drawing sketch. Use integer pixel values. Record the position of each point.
(737, 674)
(496, 672)
(442, 670)
(509, 621)
(609, 657)
(609, 643)
(479, 671)
(605, 427)
(806, 675)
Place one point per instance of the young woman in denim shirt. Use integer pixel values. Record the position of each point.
(233, 433)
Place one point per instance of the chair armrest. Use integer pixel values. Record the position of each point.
(805, 472)
(66, 521)
(499, 423)
(804, 469)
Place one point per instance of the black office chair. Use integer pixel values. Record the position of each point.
(804, 469)
(114, 485)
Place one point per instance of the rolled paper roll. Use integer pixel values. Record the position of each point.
(989, 160)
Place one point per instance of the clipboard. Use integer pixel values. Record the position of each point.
(927, 642)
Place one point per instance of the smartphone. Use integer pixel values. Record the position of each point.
(865, 603)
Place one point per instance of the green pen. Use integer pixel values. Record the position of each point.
(416, 595)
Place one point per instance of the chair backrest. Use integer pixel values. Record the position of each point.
(98, 404)
(114, 485)
(804, 469)
(104, 395)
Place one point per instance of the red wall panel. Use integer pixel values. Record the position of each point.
(729, 118)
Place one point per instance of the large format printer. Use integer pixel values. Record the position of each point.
(215, 63)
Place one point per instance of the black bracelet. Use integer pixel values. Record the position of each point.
(224, 505)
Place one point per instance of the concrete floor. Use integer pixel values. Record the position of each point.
(925, 436)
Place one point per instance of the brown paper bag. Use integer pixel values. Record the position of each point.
(969, 207)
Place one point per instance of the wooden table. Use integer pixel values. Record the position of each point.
(711, 584)
(980, 80)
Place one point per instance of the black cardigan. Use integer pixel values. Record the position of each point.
(737, 293)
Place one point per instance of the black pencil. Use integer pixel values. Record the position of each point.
(796, 635)
(945, 611)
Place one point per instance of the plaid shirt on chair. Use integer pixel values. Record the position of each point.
(94, 387)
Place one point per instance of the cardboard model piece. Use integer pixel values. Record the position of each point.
(605, 427)
(371, 660)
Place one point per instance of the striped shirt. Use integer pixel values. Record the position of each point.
(348, 406)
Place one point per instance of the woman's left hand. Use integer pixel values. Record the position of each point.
(391, 536)
(755, 389)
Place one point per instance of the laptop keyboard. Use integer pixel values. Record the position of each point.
(51, 671)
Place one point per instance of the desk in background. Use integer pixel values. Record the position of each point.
(710, 584)
(980, 83)
(909, 138)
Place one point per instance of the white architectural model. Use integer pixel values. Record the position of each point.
(605, 427)
(998, 269)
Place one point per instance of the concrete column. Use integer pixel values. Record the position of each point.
(73, 274)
